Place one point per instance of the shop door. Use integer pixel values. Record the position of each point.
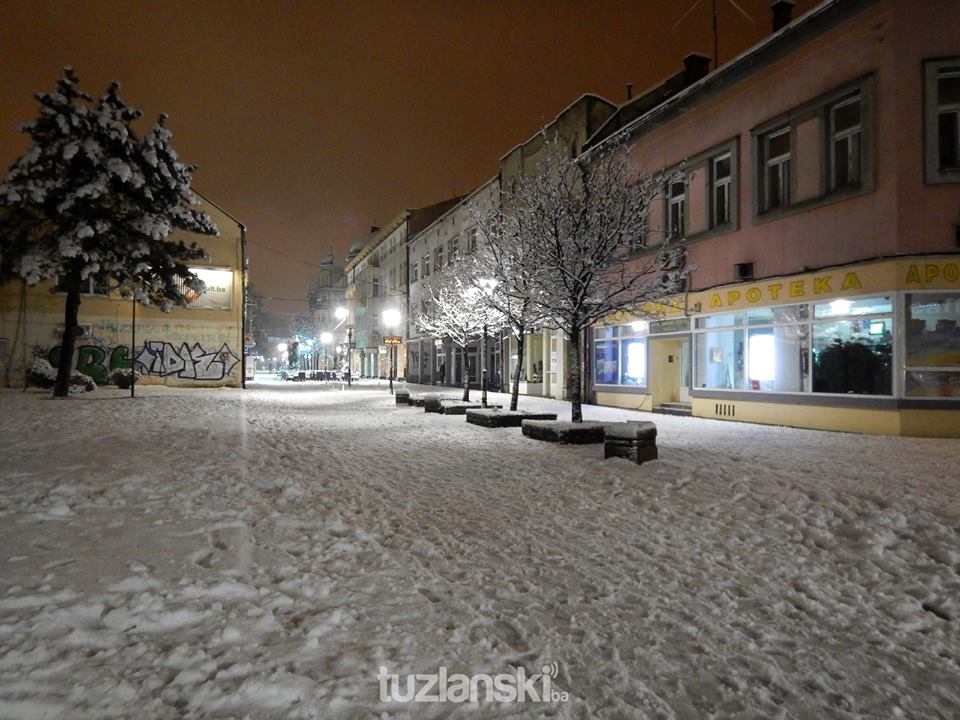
(686, 369)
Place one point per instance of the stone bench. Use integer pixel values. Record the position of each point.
(493, 417)
(432, 403)
(564, 432)
(635, 441)
(402, 397)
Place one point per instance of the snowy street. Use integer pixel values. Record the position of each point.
(222, 553)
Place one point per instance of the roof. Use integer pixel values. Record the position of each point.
(825, 16)
(586, 96)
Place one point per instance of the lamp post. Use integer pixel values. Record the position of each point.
(487, 285)
(391, 318)
(341, 314)
(325, 340)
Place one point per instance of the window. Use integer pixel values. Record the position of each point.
(438, 257)
(720, 190)
(426, 265)
(413, 272)
(845, 143)
(933, 345)
(453, 248)
(942, 120)
(775, 183)
(676, 209)
(620, 356)
(376, 287)
(816, 153)
(90, 286)
(472, 240)
(375, 321)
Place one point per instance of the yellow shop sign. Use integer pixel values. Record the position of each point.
(931, 272)
(786, 290)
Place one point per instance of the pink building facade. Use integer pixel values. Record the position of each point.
(821, 219)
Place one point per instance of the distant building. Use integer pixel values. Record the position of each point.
(199, 345)
(376, 273)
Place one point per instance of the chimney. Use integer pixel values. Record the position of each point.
(695, 66)
(629, 91)
(374, 228)
(781, 13)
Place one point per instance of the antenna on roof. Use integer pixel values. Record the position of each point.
(716, 31)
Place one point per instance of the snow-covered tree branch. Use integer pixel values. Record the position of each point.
(452, 306)
(582, 226)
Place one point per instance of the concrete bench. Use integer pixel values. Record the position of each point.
(635, 441)
(493, 417)
(458, 407)
(402, 397)
(432, 403)
(564, 432)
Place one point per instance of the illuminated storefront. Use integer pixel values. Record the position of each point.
(873, 347)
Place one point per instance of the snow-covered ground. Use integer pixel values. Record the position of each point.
(262, 554)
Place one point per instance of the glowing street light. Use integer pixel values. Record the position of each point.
(391, 319)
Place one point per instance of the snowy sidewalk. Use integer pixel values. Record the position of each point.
(263, 553)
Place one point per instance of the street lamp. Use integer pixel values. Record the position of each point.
(487, 285)
(341, 314)
(391, 318)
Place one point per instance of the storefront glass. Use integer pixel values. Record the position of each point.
(932, 345)
(846, 348)
(620, 355)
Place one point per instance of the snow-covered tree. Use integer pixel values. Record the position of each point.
(582, 224)
(91, 201)
(453, 307)
(505, 255)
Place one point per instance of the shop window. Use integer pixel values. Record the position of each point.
(606, 362)
(720, 186)
(777, 358)
(933, 345)
(620, 356)
(856, 306)
(633, 361)
(942, 120)
(720, 359)
(853, 356)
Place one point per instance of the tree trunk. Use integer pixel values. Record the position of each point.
(576, 398)
(61, 387)
(466, 373)
(515, 390)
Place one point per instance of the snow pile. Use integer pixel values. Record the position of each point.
(221, 553)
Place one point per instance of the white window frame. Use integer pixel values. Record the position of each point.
(676, 205)
(725, 184)
(853, 137)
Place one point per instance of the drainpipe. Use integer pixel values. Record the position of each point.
(243, 306)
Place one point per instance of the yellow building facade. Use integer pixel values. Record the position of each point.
(199, 345)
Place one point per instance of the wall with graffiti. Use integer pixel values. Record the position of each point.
(155, 358)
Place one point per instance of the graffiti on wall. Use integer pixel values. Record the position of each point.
(156, 358)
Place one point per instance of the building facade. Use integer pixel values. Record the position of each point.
(199, 345)
(821, 217)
